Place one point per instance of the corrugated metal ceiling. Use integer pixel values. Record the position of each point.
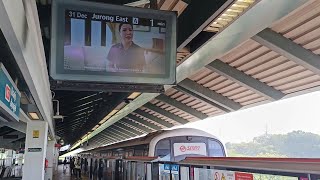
(253, 60)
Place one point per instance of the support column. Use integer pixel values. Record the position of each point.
(35, 150)
(55, 160)
(51, 158)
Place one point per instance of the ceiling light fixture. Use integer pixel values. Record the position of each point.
(231, 13)
(33, 115)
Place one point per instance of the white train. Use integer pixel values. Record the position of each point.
(169, 145)
(112, 162)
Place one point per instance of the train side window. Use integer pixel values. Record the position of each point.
(215, 149)
(138, 152)
(163, 149)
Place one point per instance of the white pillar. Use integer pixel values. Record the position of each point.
(35, 150)
(55, 160)
(50, 157)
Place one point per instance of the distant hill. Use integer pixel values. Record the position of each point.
(296, 144)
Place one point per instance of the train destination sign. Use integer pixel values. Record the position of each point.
(94, 42)
(190, 148)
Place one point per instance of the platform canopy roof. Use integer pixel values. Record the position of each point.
(231, 55)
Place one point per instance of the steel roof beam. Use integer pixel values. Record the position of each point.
(114, 134)
(210, 95)
(124, 127)
(76, 102)
(153, 118)
(19, 126)
(70, 120)
(145, 122)
(190, 93)
(138, 126)
(77, 125)
(107, 136)
(21, 139)
(119, 132)
(129, 133)
(165, 113)
(104, 108)
(6, 130)
(245, 80)
(111, 135)
(79, 110)
(201, 14)
(289, 49)
(100, 140)
(181, 106)
(106, 139)
(96, 141)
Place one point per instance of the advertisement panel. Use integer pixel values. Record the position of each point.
(243, 176)
(223, 175)
(9, 95)
(114, 44)
(189, 148)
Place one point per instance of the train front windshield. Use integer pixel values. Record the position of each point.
(177, 148)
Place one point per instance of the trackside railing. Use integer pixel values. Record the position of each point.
(210, 168)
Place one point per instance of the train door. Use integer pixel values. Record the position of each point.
(105, 170)
(95, 168)
(137, 170)
(149, 171)
(130, 169)
(169, 172)
(118, 169)
(175, 173)
(91, 168)
(164, 171)
(101, 166)
(141, 171)
(109, 169)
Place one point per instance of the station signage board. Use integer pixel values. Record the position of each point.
(189, 148)
(9, 95)
(34, 149)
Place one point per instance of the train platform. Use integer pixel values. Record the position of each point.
(67, 175)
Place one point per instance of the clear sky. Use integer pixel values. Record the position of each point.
(280, 117)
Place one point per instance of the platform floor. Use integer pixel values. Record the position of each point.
(67, 176)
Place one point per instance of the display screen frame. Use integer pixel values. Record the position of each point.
(58, 72)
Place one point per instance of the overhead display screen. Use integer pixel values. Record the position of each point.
(94, 42)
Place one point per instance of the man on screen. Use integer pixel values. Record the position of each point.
(126, 56)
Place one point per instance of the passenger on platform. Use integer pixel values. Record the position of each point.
(64, 165)
(77, 166)
(85, 166)
(100, 171)
(82, 163)
(95, 168)
(72, 166)
(91, 168)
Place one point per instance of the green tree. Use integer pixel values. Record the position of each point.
(296, 144)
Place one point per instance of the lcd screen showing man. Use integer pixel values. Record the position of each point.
(96, 42)
(111, 43)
